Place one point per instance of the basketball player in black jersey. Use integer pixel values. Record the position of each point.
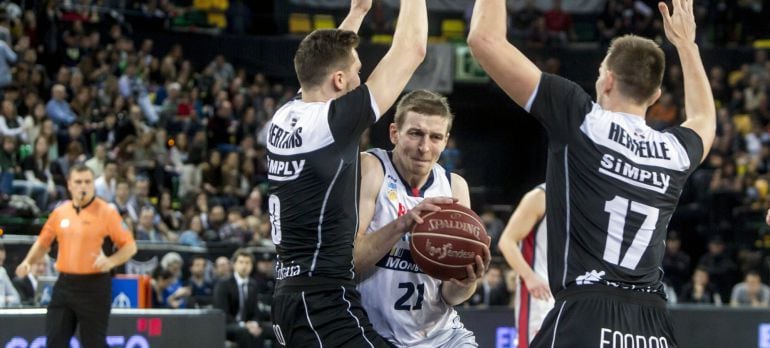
(612, 181)
(313, 172)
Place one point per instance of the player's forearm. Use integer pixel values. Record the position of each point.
(699, 101)
(454, 295)
(515, 259)
(36, 252)
(123, 254)
(354, 19)
(410, 39)
(487, 22)
(371, 247)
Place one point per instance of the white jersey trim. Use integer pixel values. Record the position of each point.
(556, 326)
(566, 200)
(321, 217)
(307, 315)
(531, 100)
(358, 323)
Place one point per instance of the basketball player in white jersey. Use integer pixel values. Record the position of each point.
(407, 307)
(524, 246)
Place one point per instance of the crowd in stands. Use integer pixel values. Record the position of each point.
(179, 149)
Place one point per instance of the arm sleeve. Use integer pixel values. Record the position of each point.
(48, 232)
(560, 105)
(351, 114)
(692, 143)
(118, 231)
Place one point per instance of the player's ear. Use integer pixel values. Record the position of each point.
(393, 131)
(338, 79)
(655, 97)
(609, 82)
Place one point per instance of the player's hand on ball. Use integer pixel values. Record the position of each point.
(427, 205)
(538, 287)
(103, 263)
(474, 273)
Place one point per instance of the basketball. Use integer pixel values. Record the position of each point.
(447, 241)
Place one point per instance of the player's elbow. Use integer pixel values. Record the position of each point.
(480, 44)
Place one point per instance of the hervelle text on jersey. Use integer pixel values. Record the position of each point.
(643, 149)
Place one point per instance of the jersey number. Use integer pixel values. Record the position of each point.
(618, 209)
(275, 218)
(410, 287)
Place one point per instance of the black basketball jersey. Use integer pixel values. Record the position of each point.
(314, 183)
(613, 183)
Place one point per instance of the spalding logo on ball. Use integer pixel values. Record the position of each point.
(447, 241)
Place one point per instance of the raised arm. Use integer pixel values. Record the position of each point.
(530, 210)
(510, 69)
(698, 100)
(406, 53)
(358, 10)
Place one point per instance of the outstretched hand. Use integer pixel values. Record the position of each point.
(679, 26)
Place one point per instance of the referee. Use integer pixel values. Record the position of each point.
(82, 292)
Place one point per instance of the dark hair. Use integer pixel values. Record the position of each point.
(242, 253)
(322, 52)
(637, 64)
(196, 258)
(161, 273)
(423, 102)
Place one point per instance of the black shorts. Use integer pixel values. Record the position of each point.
(321, 312)
(601, 316)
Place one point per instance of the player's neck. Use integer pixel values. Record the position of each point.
(319, 94)
(625, 107)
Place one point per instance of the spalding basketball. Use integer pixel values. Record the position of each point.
(447, 241)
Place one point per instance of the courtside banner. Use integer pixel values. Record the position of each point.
(136, 328)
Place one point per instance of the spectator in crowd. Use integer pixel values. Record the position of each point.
(39, 182)
(7, 58)
(194, 233)
(58, 109)
(700, 290)
(9, 297)
(223, 269)
(559, 25)
(201, 289)
(676, 263)
(122, 198)
(491, 289)
(98, 160)
(719, 265)
(9, 164)
(161, 281)
(237, 298)
(751, 292)
(106, 183)
(27, 286)
(11, 124)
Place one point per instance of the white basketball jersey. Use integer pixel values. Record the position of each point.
(405, 305)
